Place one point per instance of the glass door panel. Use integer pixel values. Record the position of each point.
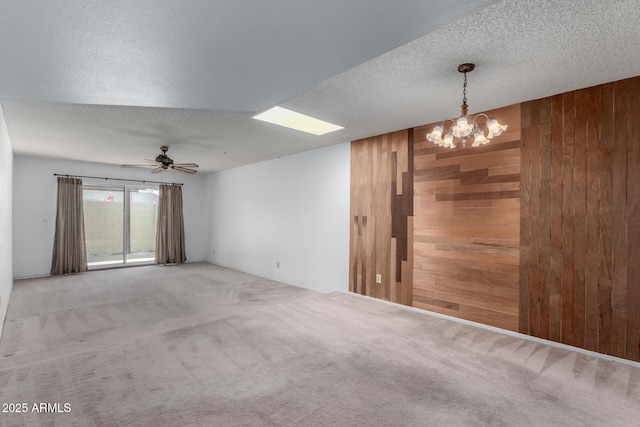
(104, 225)
(143, 217)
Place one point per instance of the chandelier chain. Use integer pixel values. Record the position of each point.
(464, 89)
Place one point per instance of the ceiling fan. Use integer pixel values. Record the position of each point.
(164, 162)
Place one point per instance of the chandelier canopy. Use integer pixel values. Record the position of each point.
(461, 128)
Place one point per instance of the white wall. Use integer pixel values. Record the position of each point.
(293, 211)
(35, 189)
(6, 222)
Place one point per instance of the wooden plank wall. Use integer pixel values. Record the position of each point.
(580, 229)
(466, 226)
(382, 217)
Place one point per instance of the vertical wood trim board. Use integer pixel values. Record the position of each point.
(381, 210)
(467, 226)
(580, 219)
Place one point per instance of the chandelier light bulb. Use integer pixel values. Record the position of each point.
(448, 141)
(436, 135)
(479, 138)
(462, 129)
(495, 128)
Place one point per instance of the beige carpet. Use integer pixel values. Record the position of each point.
(200, 345)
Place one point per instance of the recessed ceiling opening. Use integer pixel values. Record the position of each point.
(293, 120)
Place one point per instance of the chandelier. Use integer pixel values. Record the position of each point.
(461, 128)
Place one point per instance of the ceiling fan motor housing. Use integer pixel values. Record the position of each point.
(164, 159)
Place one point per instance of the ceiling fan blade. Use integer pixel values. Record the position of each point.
(183, 169)
(158, 169)
(186, 165)
(136, 166)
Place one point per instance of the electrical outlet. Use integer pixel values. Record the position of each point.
(378, 278)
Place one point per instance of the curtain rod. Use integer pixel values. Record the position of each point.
(117, 179)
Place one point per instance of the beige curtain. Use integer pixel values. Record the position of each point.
(170, 247)
(69, 250)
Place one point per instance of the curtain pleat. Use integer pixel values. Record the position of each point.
(170, 248)
(69, 249)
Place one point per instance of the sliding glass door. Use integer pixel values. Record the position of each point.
(142, 212)
(120, 224)
(104, 225)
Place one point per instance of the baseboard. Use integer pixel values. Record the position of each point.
(505, 332)
(37, 276)
(322, 291)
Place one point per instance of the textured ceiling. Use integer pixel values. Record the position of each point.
(112, 81)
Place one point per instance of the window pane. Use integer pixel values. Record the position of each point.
(143, 217)
(103, 226)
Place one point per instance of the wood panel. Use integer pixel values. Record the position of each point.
(539, 231)
(381, 210)
(632, 346)
(619, 220)
(466, 226)
(534, 232)
(580, 219)
(555, 238)
(568, 203)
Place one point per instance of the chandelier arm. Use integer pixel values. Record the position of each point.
(478, 115)
(452, 123)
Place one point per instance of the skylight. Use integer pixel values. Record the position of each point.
(292, 120)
